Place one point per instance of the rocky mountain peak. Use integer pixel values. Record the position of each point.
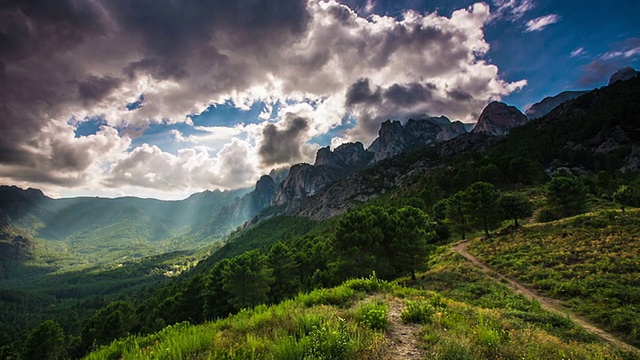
(623, 74)
(497, 118)
(394, 138)
(345, 155)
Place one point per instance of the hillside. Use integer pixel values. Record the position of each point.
(590, 262)
(472, 318)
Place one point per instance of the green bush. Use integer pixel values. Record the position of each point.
(374, 315)
(419, 312)
(328, 344)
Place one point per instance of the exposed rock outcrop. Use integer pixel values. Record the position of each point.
(498, 118)
(547, 104)
(394, 138)
(349, 155)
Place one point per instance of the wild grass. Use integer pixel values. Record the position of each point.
(344, 323)
(591, 261)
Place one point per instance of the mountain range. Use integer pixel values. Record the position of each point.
(338, 180)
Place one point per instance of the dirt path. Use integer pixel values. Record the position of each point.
(404, 338)
(547, 303)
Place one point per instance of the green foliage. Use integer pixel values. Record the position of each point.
(626, 196)
(456, 214)
(386, 241)
(481, 206)
(515, 207)
(247, 278)
(45, 342)
(588, 260)
(374, 315)
(566, 196)
(329, 344)
(418, 312)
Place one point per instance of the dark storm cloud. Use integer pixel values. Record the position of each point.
(459, 95)
(408, 95)
(63, 58)
(173, 29)
(95, 88)
(360, 93)
(282, 146)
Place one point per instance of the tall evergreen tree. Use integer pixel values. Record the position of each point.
(566, 196)
(45, 342)
(481, 206)
(456, 214)
(515, 207)
(411, 244)
(247, 278)
(285, 272)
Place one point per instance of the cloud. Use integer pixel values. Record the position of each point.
(319, 62)
(602, 67)
(539, 23)
(512, 10)
(577, 52)
(283, 145)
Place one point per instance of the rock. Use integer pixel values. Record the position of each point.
(623, 74)
(498, 118)
(348, 155)
(394, 138)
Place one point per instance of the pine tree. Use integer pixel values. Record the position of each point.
(515, 207)
(481, 205)
(247, 278)
(45, 342)
(411, 243)
(285, 271)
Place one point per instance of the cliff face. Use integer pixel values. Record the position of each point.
(545, 106)
(394, 138)
(344, 156)
(306, 180)
(497, 118)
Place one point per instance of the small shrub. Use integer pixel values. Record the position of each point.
(329, 344)
(419, 312)
(546, 215)
(374, 315)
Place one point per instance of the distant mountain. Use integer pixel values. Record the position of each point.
(498, 118)
(623, 74)
(547, 104)
(100, 229)
(597, 131)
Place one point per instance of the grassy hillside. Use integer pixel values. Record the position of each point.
(359, 320)
(590, 261)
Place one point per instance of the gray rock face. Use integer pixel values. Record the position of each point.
(547, 104)
(623, 74)
(347, 155)
(498, 118)
(394, 138)
(306, 180)
(303, 180)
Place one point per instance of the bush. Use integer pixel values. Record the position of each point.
(329, 344)
(418, 312)
(374, 315)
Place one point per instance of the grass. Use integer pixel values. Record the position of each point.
(590, 261)
(351, 321)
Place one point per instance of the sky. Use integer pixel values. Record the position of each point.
(165, 98)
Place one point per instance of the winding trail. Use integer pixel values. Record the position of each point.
(404, 338)
(547, 303)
